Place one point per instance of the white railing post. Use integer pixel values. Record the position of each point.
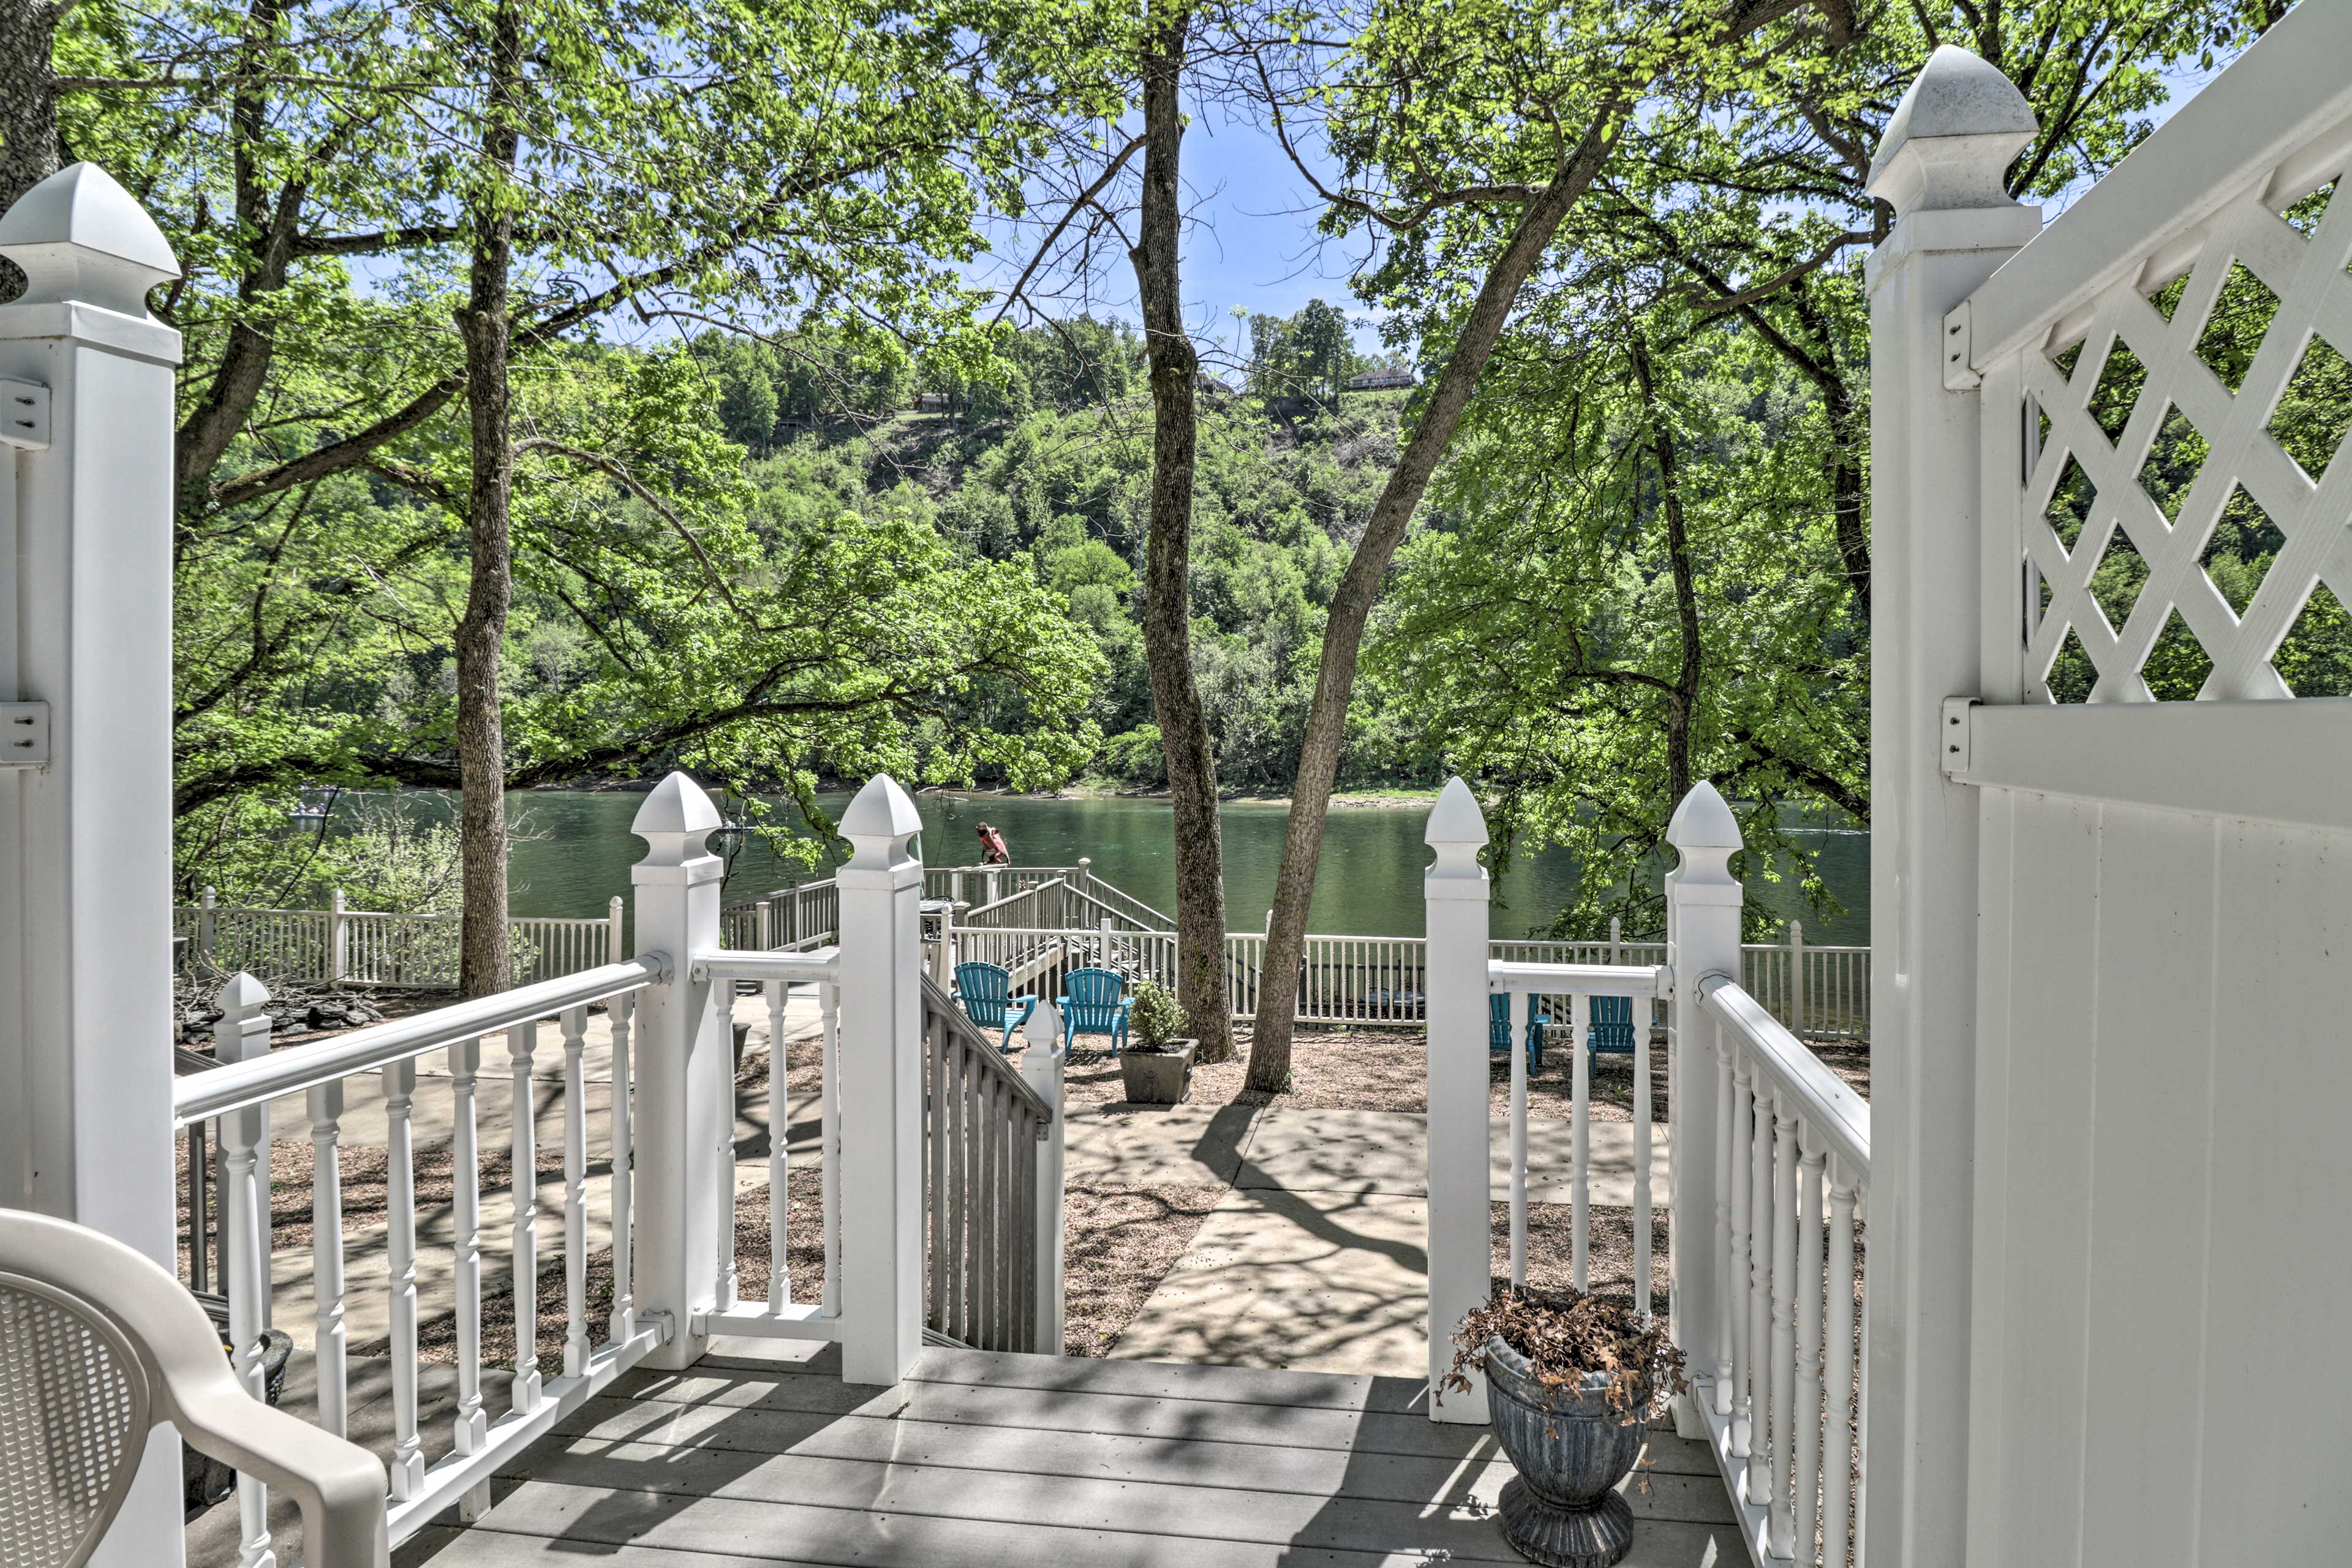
(881, 1087)
(1703, 908)
(242, 1033)
(1455, 894)
(337, 939)
(1940, 166)
(614, 950)
(1041, 1068)
(85, 632)
(683, 1063)
(207, 924)
(1797, 978)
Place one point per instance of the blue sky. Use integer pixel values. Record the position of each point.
(1251, 242)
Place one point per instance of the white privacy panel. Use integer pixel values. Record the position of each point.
(2164, 1188)
(2133, 460)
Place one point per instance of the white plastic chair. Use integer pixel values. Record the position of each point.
(97, 1346)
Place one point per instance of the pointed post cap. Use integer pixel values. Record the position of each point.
(674, 821)
(80, 237)
(1703, 821)
(1952, 136)
(243, 993)
(879, 824)
(1457, 831)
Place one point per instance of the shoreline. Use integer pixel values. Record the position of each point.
(1341, 800)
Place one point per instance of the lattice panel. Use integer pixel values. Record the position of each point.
(2090, 435)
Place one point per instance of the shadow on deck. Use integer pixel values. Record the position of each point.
(756, 1456)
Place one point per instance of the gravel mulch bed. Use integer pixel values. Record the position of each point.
(1120, 1243)
(1383, 1070)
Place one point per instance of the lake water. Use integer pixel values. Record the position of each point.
(1368, 882)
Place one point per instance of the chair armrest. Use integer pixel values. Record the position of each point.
(339, 1486)
(1028, 1005)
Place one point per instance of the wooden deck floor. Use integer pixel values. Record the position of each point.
(753, 1457)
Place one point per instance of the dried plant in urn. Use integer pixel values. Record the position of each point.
(1573, 1380)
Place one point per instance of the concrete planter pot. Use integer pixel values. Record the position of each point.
(1562, 1509)
(1157, 1078)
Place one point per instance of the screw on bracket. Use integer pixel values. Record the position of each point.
(24, 734)
(24, 415)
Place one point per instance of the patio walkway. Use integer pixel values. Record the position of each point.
(754, 1458)
(1313, 1259)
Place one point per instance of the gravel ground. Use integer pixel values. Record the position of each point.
(1382, 1070)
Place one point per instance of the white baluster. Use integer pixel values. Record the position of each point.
(326, 1106)
(1516, 1011)
(400, 1262)
(1806, 1429)
(241, 1035)
(1744, 1439)
(722, 1167)
(1837, 1472)
(779, 1284)
(625, 1311)
(1782, 1520)
(574, 1022)
(466, 1223)
(828, 1001)
(1580, 1033)
(1759, 1480)
(1728, 1162)
(1644, 1139)
(523, 1045)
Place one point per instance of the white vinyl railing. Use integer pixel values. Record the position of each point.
(1820, 992)
(1577, 985)
(1792, 1149)
(1770, 1161)
(335, 1076)
(380, 950)
(776, 973)
(803, 917)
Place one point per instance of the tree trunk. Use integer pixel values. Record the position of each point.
(1359, 586)
(1168, 555)
(487, 325)
(28, 110)
(1682, 701)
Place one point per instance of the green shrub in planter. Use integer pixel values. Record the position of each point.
(1157, 1020)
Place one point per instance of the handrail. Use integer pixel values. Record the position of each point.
(753, 900)
(821, 964)
(936, 1001)
(971, 919)
(232, 1088)
(1586, 979)
(1836, 1112)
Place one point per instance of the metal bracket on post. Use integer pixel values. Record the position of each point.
(24, 415)
(1959, 375)
(24, 734)
(1952, 735)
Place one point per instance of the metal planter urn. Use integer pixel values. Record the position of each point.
(1562, 1509)
(1157, 1077)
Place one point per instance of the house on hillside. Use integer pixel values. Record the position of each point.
(1386, 379)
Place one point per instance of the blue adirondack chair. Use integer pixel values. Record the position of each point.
(1095, 1002)
(1499, 1029)
(985, 992)
(1612, 1032)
